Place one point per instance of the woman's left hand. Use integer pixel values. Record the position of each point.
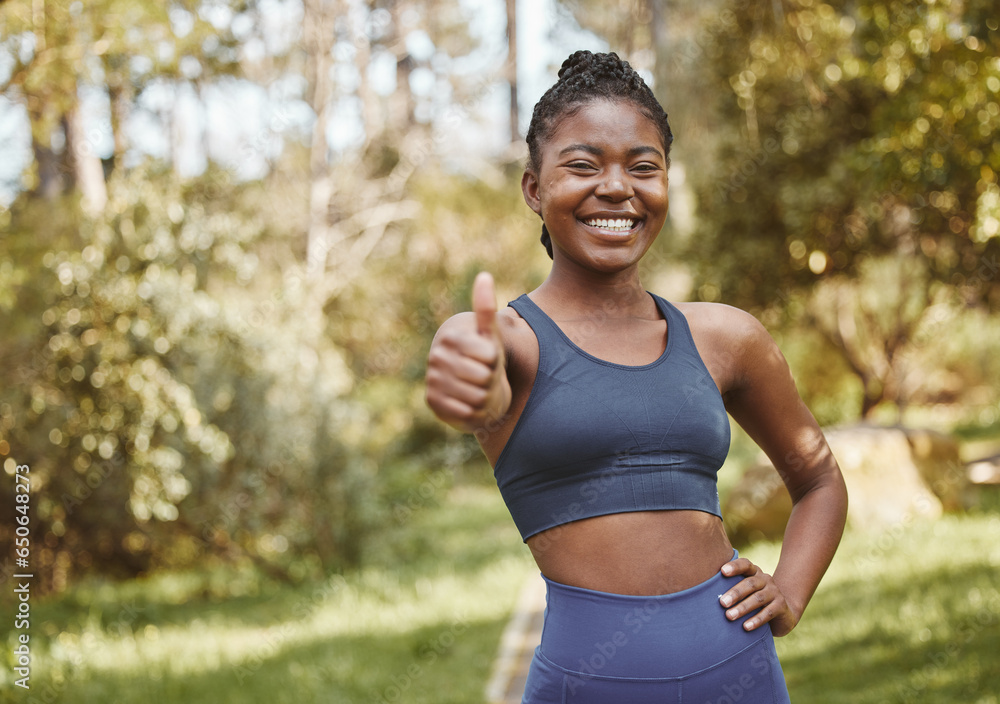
(757, 592)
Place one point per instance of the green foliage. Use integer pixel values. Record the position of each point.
(853, 183)
(175, 364)
(117, 47)
(842, 164)
(124, 42)
(169, 407)
(824, 380)
(864, 129)
(184, 386)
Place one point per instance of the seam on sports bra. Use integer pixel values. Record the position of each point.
(677, 412)
(613, 463)
(600, 401)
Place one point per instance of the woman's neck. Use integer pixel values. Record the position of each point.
(567, 294)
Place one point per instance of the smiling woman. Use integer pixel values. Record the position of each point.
(605, 175)
(603, 410)
(577, 87)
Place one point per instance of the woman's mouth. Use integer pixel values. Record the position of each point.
(617, 225)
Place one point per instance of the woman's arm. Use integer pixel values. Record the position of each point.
(764, 401)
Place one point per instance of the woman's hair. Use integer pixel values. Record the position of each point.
(583, 78)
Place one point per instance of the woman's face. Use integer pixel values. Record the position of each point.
(601, 187)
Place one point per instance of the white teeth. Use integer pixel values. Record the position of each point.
(619, 225)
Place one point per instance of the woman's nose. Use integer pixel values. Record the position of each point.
(615, 185)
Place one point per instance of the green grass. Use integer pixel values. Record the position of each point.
(426, 632)
(907, 615)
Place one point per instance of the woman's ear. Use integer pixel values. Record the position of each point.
(529, 187)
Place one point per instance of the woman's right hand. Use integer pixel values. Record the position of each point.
(467, 384)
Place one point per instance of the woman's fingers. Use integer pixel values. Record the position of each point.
(463, 367)
(740, 565)
(452, 385)
(467, 342)
(756, 594)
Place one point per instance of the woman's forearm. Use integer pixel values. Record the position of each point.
(812, 534)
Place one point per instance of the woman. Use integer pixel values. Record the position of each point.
(603, 410)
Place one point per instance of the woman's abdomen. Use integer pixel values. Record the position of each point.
(637, 553)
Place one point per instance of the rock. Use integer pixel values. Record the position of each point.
(893, 476)
(884, 483)
(938, 459)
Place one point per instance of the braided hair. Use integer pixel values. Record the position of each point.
(583, 78)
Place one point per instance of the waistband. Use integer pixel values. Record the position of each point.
(621, 635)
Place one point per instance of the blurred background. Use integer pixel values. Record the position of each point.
(230, 229)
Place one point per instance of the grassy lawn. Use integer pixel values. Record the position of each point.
(425, 633)
(911, 615)
(906, 615)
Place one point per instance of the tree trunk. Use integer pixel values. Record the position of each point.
(869, 402)
(317, 35)
(660, 33)
(372, 116)
(401, 117)
(51, 181)
(402, 114)
(88, 172)
(511, 69)
(121, 96)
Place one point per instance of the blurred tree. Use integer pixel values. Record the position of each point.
(119, 48)
(162, 417)
(880, 117)
(871, 318)
(137, 384)
(349, 215)
(201, 367)
(511, 70)
(865, 130)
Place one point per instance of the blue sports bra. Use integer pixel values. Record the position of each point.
(597, 438)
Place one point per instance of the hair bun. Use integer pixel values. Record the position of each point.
(608, 65)
(577, 58)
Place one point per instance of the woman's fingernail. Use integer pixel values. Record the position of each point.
(727, 600)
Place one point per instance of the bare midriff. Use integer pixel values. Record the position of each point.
(641, 553)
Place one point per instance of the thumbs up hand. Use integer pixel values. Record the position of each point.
(467, 384)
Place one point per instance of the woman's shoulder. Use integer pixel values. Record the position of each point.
(518, 336)
(729, 340)
(719, 320)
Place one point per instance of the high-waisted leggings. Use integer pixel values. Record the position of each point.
(602, 648)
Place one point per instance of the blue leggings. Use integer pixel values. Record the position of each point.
(602, 648)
